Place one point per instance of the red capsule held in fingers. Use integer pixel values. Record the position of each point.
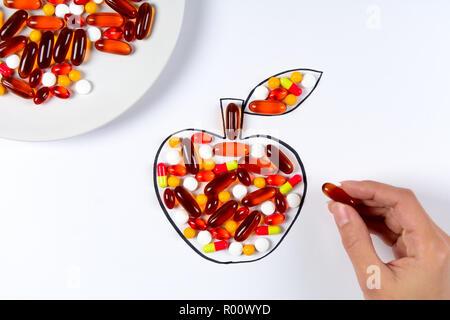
(28, 59)
(61, 69)
(188, 202)
(339, 195)
(241, 214)
(60, 92)
(220, 182)
(211, 204)
(42, 95)
(12, 45)
(197, 223)
(247, 226)
(244, 177)
(220, 233)
(13, 25)
(222, 214)
(177, 170)
(123, 7)
(274, 219)
(114, 33)
(201, 138)
(169, 198)
(259, 196)
(18, 87)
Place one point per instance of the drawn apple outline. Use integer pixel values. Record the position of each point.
(243, 104)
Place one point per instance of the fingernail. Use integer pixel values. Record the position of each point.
(340, 214)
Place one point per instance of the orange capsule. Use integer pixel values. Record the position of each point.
(259, 196)
(274, 219)
(201, 138)
(339, 195)
(123, 7)
(45, 54)
(144, 20)
(231, 149)
(275, 180)
(267, 106)
(247, 226)
(61, 69)
(113, 46)
(13, 25)
(19, 87)
(177, 170)
(50, 23)
(62, 45)
(113, 33)
(12, 45)
(60, 92)
(205, 176)
(28, 59)
(105, 20)
(23, 4)
(79, 47)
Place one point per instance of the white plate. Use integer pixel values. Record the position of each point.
(119, 81)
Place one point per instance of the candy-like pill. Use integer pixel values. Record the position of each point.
(231, 149)
(173, 157)
(144, 20)
(91, 7)
(267, 106)
(189, 233)
(180, 217)
(50, 23)
(35, 36)
(235, 249)
(339, 195)
(62, 45)
(291, 183)
(296, 77)
(94, 33)
(105, 19)
(259, 196)
(44, 58)
(293, 200)
(205, 176)
(205, 152)
(169, 198)
(275, 219)
(162, 175)
(190, 183)
(63, 81)
(308, 81)
(220, 233)
(248, 249)
(224, 167)
(201, 138)
(13, 25)
(215, 246)
(208, 164)
(174, 142)
(187, 201)
(201, 199)
(220, 182)
(257, 150)
(260, 93)
(259, 182)
(231, 226)
(224, 196)
(262, 244)
(12, 45)
(267, 230)
(241, 214)
(5, 70)
(173, 181)
(290, 86)
(48, 79)
(76, 9)
(23, 4)
(239, 191)
(74, 75)
(197, 223)
(273, 83)
(247, 226)
(204, 237)
(83, 87)
(290, 100)
(61, 10)
(244, 177)
(278, 94)
(279, 159)
(12, 61)
(232, 121)
(267, 207)
(28, 59)
(177, 170)
(18, 87)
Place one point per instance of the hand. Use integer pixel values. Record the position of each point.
(422, 250)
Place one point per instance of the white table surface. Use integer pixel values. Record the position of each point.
(79, 217)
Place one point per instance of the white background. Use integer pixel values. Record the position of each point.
(79, 217)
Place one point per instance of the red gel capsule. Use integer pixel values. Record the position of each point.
(205, 176)
(259, 196)
(280, 202)
(60, 92)
(244, 177)
(18, 87)
(62, 45)
(188, 202)
(247, 226)
(123, 7)
(42, 95)
(177, 170)
(189, 156)
(197, 223)
(251, 167)
(274, 219)
(276, 180)
(12, 45)
(61, 69)
(5, 70)
(129, 31)
(35, 78)
(80, 2)
(220, 234)
(79, 47)
(279, 159)
(144, 20)
(113, 33)
(339, 195)
(222, 214)
(220, 182)
(113, 46)
(23, 4)
(45, 54)
(232, 121)
(211, 204)
(241, 214)
(105, 20)
(169, 198)
(13, 25)
(56, 2)
(49, 23)
(278, 94)
(201, 138)
(231, 149)
(28, 59)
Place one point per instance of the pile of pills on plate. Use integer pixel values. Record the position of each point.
(278, 93)
(227, 194)
(60, 40)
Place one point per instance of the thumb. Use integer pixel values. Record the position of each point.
(356, 240)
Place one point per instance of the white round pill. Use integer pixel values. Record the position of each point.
(205, 151)
(257, 150)
(61, 10)
(235, 249)
(293, 200)
(173, 157)
(76, 9)
(308, 81)
(83, 86)
(190, 183)
(262, 244)
(12, 61)
(94, 33)
(180, 216)
(98, 1)
(260, 93)
(48, 79)
(239, 191)
(204, 237)
(267, 207)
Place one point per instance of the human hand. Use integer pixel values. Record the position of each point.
(422, 250)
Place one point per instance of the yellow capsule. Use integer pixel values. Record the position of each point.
(208, 164)
(248, 249)
(189, 233)
(35, 36)
(273, 83)
(173, 181)
(2, 90)
(48, 9)
(290, 99)
(174, 141)
(296, 77)
(91, 7)
(201, 199)
(259, 182)
(63, 81)
(74, 75)
(224, 196)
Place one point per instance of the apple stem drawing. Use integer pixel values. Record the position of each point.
(262, 102)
